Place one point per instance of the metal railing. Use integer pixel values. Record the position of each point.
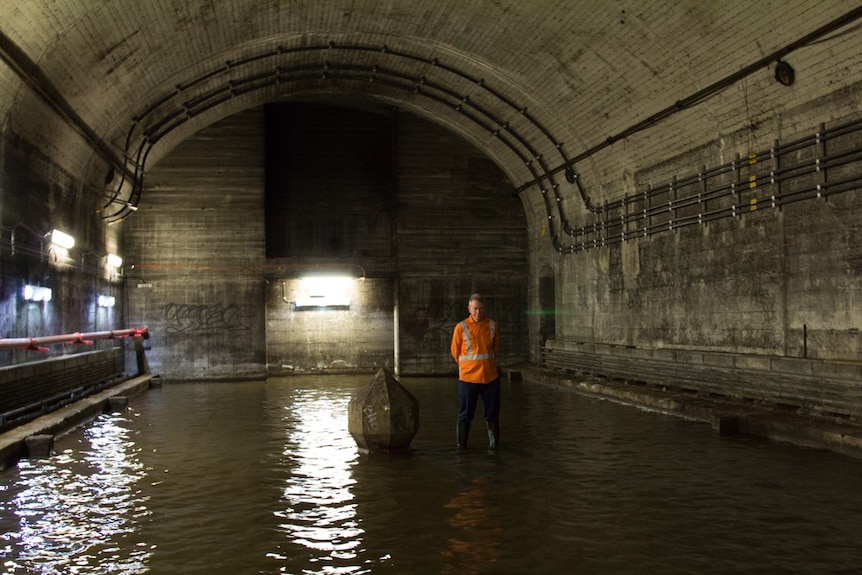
(37, 343)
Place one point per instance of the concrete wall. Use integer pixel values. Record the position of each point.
(775, 281)
(460, 230)
(775, 270)
(38, 195)
(197, 275)
(330, 340)
(751, 253)
(193, 252)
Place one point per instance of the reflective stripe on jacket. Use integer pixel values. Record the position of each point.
(475, 347)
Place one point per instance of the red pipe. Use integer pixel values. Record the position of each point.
(36, 343)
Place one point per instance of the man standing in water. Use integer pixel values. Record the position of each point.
(475, 346)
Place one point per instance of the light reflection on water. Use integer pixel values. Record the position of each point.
(254, 477)
(76, 512)
(320, 513)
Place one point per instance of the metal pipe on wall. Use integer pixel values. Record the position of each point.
(36, 343)
(741, 187)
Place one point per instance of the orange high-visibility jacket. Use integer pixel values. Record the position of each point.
(475, 347)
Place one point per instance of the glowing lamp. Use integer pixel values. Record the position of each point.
(324, 291)
(37, 293)
(62, 239)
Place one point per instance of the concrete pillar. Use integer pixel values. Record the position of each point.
(141, 355)
(40, 445)
(117, 403)
(384, 416)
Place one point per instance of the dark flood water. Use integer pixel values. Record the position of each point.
(248, 478)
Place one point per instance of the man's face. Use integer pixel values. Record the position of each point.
(477, 310)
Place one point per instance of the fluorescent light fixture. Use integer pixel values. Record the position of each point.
(115, 261)
(106, 301)
(62, 239)
(324, 291)
(37, 293)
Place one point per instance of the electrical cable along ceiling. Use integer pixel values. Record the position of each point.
(449, 88)
(409, 79)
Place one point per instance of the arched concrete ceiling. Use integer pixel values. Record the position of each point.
(533, 83)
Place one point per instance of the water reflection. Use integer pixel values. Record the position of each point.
(474, 545)
(264, 477)
(77, 511)
(321, 513)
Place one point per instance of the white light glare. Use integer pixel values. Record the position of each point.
(62, 239)
(324, 291)
(115, 261)
(37, 293)
(323, 285)
(106, 301)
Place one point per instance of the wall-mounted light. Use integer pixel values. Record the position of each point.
(323, 291)
(107, 301)
(784, 73)
(37, 293)
(62, 239)
(115, 261)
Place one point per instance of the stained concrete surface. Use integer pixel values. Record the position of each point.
(13, 443)
(727, 415)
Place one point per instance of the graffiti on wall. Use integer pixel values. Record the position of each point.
(198, 318)
(432, 327)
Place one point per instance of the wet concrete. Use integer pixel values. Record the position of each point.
(727, 415)
(14, 443)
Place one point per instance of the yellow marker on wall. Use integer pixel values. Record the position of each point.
(753, 204)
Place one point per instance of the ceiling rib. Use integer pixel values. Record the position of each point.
(458, 90)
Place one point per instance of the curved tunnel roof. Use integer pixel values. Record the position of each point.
(537, 85)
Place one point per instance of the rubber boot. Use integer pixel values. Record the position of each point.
(463, 432)
(493, 434)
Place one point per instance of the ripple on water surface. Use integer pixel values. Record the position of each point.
(254, 477)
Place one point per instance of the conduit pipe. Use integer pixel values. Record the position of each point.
(421, 86)
(36, 343)
(744, 186)
(698, 97)
(418, 85)
(33, 76)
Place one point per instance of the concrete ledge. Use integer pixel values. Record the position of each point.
(792, 366)
(664, 355)
(847, 371)
(13, 443)
(688, 357)
(719, 360)
(753, 362)
(809, 384)
(727, 415)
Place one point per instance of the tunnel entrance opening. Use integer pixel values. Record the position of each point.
(329, 181)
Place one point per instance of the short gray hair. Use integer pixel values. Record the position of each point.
(476, 297)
